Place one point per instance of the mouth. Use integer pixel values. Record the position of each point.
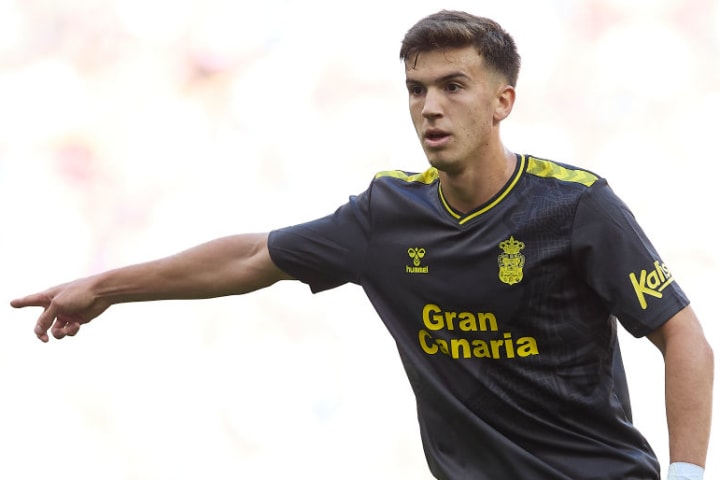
(435, 138)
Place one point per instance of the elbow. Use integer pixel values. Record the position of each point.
(704, 353)
(704, 350)
(709, 355)
(704, 360)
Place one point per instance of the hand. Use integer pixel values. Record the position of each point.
(66, 307)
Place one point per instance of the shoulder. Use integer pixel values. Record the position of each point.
(398, 192)
(401, 177)
(561, 172)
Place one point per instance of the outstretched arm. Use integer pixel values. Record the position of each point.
(226, 266)
(688, 386)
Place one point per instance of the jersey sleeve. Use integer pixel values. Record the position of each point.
(327, 252)
(618, 261)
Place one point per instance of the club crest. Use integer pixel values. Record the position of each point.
(511, 261)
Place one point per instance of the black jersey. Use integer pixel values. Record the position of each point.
(504, 317)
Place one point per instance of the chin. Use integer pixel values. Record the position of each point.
(442, 164)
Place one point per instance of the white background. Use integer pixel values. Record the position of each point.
(131, 129)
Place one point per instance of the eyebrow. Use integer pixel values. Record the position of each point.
(444, 78)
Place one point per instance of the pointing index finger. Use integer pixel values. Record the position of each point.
(34, 300)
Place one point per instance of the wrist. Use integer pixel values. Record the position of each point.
(685, 471)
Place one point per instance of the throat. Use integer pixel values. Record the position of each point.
(464, 201)
(470, 190)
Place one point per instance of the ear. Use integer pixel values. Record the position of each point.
(505, 99)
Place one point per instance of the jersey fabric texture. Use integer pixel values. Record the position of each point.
(505, 317)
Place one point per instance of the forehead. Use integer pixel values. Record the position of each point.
(441, 62)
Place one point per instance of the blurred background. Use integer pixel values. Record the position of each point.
(132, 129)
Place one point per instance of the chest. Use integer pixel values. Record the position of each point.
(504, 253)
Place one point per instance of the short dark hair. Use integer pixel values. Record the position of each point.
(455, 29)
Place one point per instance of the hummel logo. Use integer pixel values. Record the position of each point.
(651, 283)
(416, 254)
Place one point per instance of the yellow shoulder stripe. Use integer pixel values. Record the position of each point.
(427, 177)
(548, 169)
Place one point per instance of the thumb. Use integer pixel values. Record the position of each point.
(44, 322)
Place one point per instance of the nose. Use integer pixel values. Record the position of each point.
(432, 106)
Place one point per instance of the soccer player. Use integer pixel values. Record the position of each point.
(501, 276)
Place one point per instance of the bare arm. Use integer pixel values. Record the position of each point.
(688, 386)
(226, 266)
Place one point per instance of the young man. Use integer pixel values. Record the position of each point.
(500, 276)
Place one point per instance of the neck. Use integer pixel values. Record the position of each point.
(475, 185)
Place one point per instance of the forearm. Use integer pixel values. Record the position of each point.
(688, 393)
(226, 266)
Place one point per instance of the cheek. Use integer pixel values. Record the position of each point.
(481, 117)
(416, 117)
(473, 119)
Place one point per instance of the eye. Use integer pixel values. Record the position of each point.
(453, 87)
(415, 90)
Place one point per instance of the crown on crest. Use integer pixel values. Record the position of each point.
(512, 246)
